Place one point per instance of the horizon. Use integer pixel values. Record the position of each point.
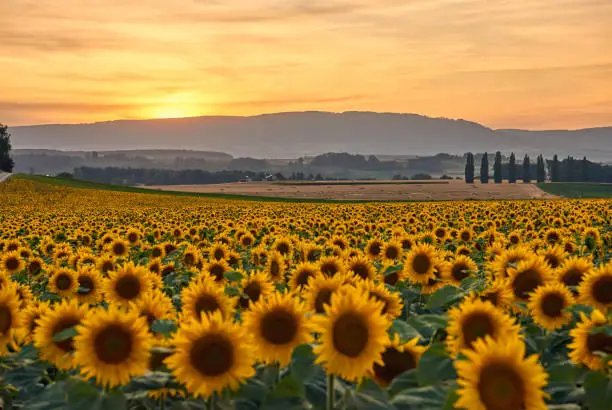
(509, 65)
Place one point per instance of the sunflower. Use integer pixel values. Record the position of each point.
(420, 263)
(277, 325)
(191, 256)
(89, 285)
(247, 240)
(392, 251)
(526, 277)
(283, 246)
(361, 267)
(254, 286)
(119, 248)
(496, 375)
(63, 282)
(276, 266)
(60, 317)
(554, 255)
(218, 251)
(211, 355)
(587, 346)
(127, 283)
(12, 262)
(474, 319)
(320, 290)
(392, 302)
(498, 293)
(35, 266)
(331, 266)
(217, 269)
(155, 266)
(153, 306)
(158, 251)
(31, 315)
(465, 235)
(459, 268)
(133, 236)
(353, 335)
(298, 279)
(572, 272)
(11, 317)
(396, 359)
(105, 264)
(438, 282)
(509, 258)
(112, 346)
(548, 305)
(373, 248)
(596, 288)
(204, 296)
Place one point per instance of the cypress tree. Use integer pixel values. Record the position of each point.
(512, 169)
(6, 162)
(541, 174)
(469, 168)
(554, 170)
(569, 169)
(484, 169)
(526, 169)
(585, 169)
(497, 168)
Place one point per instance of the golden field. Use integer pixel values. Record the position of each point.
(144, 301)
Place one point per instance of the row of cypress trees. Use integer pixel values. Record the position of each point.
(527, 171)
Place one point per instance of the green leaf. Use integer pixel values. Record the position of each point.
(562, 372)
(368, 396)
(65, 334)
(232, 291)
(406, 380)
(404, 330)
(470, 283)
(288, 386)
(82, 395)
(233, 276)
(393, 269)
(563, 407)
(605, 329)
(164, 327)
(445, 296)
(598, 391)
(427, 325)
(429, 397)
(302, 362)
(435, 365)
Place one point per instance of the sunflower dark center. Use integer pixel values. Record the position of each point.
(189, 259)
(217, 271)
(440, 233)
(274, 269)
(421, 264)
(6, 319)
(283, 248)
(113, 344)
(323, 298)
(572, 277)
(476, 326)
(460, 271)
(119, 249)
(602, 290)
(500, 387)
(167, 270)
(374, 249)
(11, 264)
(278, 327)
(525, 283)
(128, 287)
(156, 252)
(219, 254)
(395, 363)
(552, 260)
(246, 241)
(107, 266)
(599, 342)
(34, 267)
(133, 237)
(63, 282)
(329, 268)
(350, 335)
(303, 276)
(360, 270)
(553, 304)
(86, 285)
(63, 324)
(212, 355)
(253, 291)
(465, 236)
(206, 304)
(391, 279)
(391, 252)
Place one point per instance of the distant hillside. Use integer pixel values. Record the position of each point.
(291, 135)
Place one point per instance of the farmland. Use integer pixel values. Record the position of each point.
(128, 298)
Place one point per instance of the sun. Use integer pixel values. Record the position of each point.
(173, 111)
(179, 105)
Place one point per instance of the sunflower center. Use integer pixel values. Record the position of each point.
(360, 270)
(278, 327)
(217, 271)
(303, 276)
(86, 285)
(572, 277)
(500, 387)
(119, 249)
(460, 271)
(391, 279)
(34, 267)
(323, 298)
(465, 236)
(421, 264)
(128, 287)
(492, 297)
(329, 268)
(63, 282)
(476, 326)
(602, 290)
(219, 254)
(113, 344)
(552, 260)
(599, 342)
(395, 363)
(212, 355)
(525, 283)
(11, 264)
(274, 269)
(107, 266)
(189, 259)
(206, 304)
(391, 252)
(553, 304)
(253, 291)
(6, 319)
(283, 248)
(63, 324)
(133, 237)
(156, 252)
(350, 335)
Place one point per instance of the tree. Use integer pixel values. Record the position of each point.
(512, 169)
(554, 169)
(527, 169)
(584, 174)
(469, 168)
(541, 174)
(569, 169)
(6, 162)
(484, 169)
(497, 168)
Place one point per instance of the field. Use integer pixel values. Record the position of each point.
(578, 189)
(378, 190)
(124, 298)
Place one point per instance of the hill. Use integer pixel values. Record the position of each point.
(294, 134)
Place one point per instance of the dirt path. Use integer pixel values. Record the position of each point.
(4, 176)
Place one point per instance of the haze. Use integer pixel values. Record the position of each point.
(531, 64)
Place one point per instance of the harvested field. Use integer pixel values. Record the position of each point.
(389, 191)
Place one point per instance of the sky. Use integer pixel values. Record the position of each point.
(536, 64)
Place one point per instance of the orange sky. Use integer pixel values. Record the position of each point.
(504, 63)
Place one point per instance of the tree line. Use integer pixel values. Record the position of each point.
(6, 162)
(555, 170)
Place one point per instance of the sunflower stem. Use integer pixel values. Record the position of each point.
(330, 401)
(162, 402)
(210, 404)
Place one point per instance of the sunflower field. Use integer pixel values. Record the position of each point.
(113, 300)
